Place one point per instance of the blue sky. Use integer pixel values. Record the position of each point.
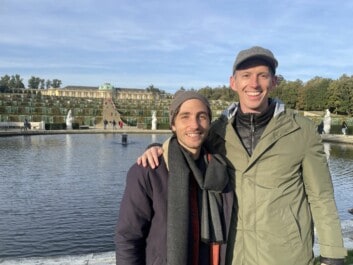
(171, 44)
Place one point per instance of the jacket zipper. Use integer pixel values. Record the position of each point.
(252, 133)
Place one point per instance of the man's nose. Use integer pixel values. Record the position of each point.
(254, 81)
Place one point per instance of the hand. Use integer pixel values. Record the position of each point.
(150, 157)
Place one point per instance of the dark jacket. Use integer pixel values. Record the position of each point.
(141, 233)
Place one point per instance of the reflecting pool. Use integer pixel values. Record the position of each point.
(60, 194)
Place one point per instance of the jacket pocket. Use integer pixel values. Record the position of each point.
(294, 235)
(281, 228)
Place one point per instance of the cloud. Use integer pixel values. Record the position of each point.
(170, 44)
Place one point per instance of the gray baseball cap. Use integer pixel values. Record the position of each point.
(256, 52)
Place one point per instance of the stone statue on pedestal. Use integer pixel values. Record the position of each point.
(69, 119)
(154, 121)
(327, 122)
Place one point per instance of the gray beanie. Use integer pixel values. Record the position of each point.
(180, 97)
(256, 52)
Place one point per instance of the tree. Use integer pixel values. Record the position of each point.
(33, 82)
(291, 93)
(288, 92)
(56, 83)
(7, 82)
(4, 83)
(278, 91)
(340, 95)
(280, 79)
(152, 89)
(42, 83)
(316, 93)
(16, 82)
(48, 84)
(207, 92)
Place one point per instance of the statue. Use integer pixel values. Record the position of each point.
(154, 120)
(69, 119)
(327, 122)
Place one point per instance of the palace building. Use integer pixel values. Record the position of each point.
(104, 91)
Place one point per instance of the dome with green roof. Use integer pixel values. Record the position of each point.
(106, 86)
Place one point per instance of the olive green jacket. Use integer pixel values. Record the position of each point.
(282, 190)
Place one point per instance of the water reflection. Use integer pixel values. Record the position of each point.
(341, 168)
(342, 150)
(327, 149)
(60, 194)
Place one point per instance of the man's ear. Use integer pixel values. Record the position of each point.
(274, 82)
(232, 83)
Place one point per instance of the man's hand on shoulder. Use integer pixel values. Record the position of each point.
(150, 157)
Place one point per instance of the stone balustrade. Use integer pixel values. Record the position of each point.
(20, 125)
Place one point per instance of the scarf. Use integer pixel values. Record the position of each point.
(212, 183)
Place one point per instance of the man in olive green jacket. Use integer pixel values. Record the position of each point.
(283, 184)
(281, 189)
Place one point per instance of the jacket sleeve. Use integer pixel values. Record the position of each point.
(319, 189)
(134, 219)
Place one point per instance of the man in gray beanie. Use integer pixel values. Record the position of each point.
(180, 212)
(283, 183)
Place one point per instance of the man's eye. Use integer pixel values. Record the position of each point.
(203, 117)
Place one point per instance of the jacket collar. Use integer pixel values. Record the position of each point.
(233, 108)
(279, 126)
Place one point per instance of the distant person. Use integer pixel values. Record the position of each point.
(283, 183)
(26, 124)
(344, 128)
(114, 125)
(320, 128)
(105, 122)
(178, 213)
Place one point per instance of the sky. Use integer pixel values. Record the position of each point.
(171, 44)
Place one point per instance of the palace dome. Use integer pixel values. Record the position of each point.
(106, 86)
